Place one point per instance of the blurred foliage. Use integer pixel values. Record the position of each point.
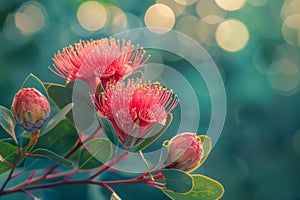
(257, 155)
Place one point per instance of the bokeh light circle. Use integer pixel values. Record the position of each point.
(291, 29)
(178, 9)
(207, 7)
(230, 5)
(159, 16)
(30, 17)
(232, 35)
(91, 15)
(186, 2)
(289, 8)
(284, 77)
(117, 20)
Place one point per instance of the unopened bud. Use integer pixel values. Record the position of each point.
(30, 109)
(185, 152)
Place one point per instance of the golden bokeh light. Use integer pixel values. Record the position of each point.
(279, 52)
(177, 8)
(291, 29)
(206, 32)
(206, 8)
(210, 16)
(232, 35)
(284, 77)
(117, 19)
(185, 2)
(212, 19)
(187, 25)
(91, 15)
(293, 21)
(159, 16)
(290, 8)
(30, 17)
(230, 5)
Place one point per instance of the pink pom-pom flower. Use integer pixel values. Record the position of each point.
(98, 61)
(185, 152)
(134, 108)
(30, 109)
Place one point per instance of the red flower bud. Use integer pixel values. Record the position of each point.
(30, 109)
(185, 152)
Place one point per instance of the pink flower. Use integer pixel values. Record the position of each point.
(98, 61)
(134, 108)
(30, 109)
(185, 152)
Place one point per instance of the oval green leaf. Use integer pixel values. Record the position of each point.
(206, 144)
(204, 188)
(95, 153)
(57, 118)
(7, 122)
(8, 152)
(177, 180)
(44, 153)
(59, 140)
(61, 96)
(108, 130)
(83, 110)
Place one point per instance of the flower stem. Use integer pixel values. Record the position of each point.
(105, 167)
(21, 154)
(8, 178)
(144, 178)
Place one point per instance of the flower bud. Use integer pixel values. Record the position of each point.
(185, 152)
(30, 109)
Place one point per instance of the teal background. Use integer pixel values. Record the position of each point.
(258, 154)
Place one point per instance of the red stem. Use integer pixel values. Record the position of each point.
(104, 167)
(85, 181)
(8, 178)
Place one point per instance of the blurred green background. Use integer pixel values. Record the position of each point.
(255, 44)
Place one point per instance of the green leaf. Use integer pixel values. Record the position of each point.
(206, 144)
(177, 180)
(52, 156)
(32, 81)
(87, 161)
(109, 130)
(95, 153)
(59, 140)
(77, 92)
(8, 152)
(61, 96)
(204, 188)
(157, 131)
(57, 118)
(7, 122)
